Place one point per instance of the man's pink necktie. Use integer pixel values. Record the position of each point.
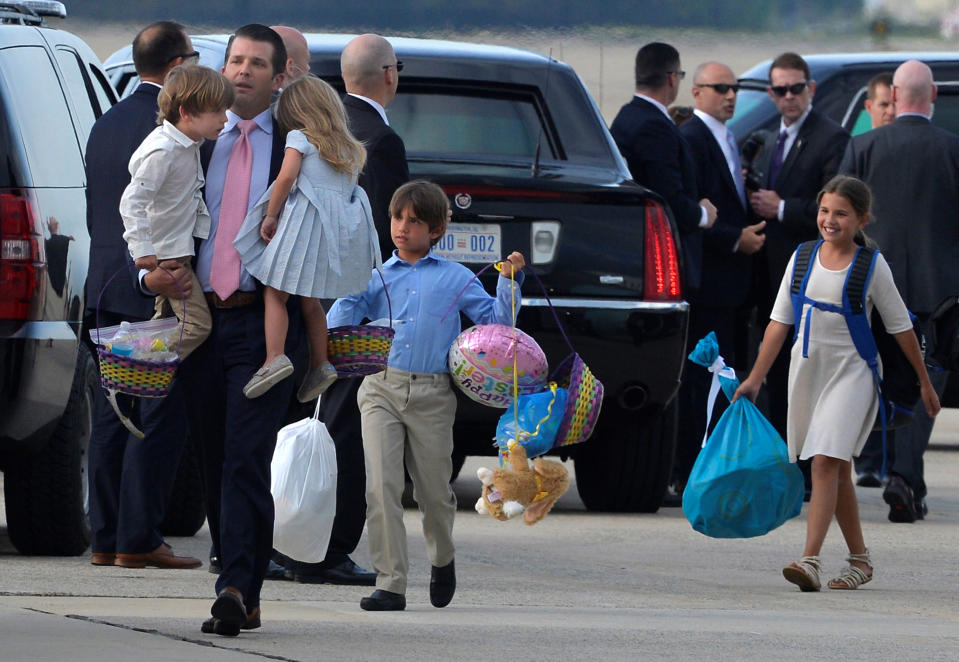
(225, 269)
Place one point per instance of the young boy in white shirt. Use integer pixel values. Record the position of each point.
(162, 207)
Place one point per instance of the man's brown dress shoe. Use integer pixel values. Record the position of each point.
(103, 558)
(161, 557)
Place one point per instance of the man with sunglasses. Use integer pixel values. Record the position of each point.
(798, 158)
(129, 477)
(658, 156)
(728, 247)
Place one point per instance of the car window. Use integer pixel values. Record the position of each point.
(79, 88)
(105, 94)
(38, 109)
(460, 124)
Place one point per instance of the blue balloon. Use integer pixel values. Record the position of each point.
(540, 415)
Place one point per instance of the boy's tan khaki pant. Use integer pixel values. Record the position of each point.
(196, 323)
(407, 416)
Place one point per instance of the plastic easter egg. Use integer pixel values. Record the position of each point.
(481, 364)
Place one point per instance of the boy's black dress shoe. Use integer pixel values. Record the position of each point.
(381, 600)
(902, 503)
(442, 585)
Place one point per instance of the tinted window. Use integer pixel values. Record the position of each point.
(461, 125)
(39, 112)
(79, 88)
(106, 95)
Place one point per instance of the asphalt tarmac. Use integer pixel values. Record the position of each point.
(577, 586)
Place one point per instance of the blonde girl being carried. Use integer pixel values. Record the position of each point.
(312, 234)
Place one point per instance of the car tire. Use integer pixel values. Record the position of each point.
(626, 466)
(185, 507)
(46, 494)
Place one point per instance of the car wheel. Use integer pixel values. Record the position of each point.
(626, 466)
(46, 493)
(185, 508)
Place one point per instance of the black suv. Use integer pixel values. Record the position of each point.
(52, 89)
(519, 145)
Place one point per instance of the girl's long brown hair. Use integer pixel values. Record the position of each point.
(313, 107)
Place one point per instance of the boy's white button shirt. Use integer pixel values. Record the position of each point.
(420, 295)
(162, 207)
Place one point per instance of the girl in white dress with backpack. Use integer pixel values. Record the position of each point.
(311, 234)
(832, 397)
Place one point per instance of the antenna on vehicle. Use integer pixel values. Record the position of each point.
(539, 138)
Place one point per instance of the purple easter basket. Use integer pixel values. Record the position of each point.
(585, 393)
(583, 403)
(125, 374)
(361, 349)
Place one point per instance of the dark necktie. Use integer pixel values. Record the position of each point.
(777, 161)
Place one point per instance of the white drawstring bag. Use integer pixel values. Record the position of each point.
(304, 489)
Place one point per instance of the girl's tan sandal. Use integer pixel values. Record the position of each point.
(805, 573)
(852, 577)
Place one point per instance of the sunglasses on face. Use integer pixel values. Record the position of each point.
(721, 88)
(187, 57)
(398, 65)
(795, 89)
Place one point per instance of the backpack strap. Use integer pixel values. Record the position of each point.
(804, 255)
(854, 300)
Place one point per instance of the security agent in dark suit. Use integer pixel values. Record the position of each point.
(657, 154)
(912, 168)
(371, 74)
(728, 247)
(796, 162)
(130, 478)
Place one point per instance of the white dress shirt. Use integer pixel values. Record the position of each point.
(261, 140)
(720, 133)
(791, 132)
(162, 207)
(380, 109)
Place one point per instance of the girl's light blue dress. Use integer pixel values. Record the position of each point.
(325, 243)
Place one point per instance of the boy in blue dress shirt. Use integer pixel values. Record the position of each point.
(407, 411)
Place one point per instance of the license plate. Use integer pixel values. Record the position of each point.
(471, 242)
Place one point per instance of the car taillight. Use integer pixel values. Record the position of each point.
(21, 265)
(661, 277)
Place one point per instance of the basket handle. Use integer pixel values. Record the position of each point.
(552, 310)
(126, 267)
(389, 304)
(541, 286)
(468, 283)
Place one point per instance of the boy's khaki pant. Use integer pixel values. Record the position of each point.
(407, 416)
(196, 323)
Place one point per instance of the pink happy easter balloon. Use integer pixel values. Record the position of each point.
(481, 364)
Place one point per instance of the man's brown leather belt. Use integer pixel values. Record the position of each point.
(236, 300)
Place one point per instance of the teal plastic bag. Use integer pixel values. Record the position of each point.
(742, 484)
(540, 415)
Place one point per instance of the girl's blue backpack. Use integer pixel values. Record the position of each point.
(742, 484)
